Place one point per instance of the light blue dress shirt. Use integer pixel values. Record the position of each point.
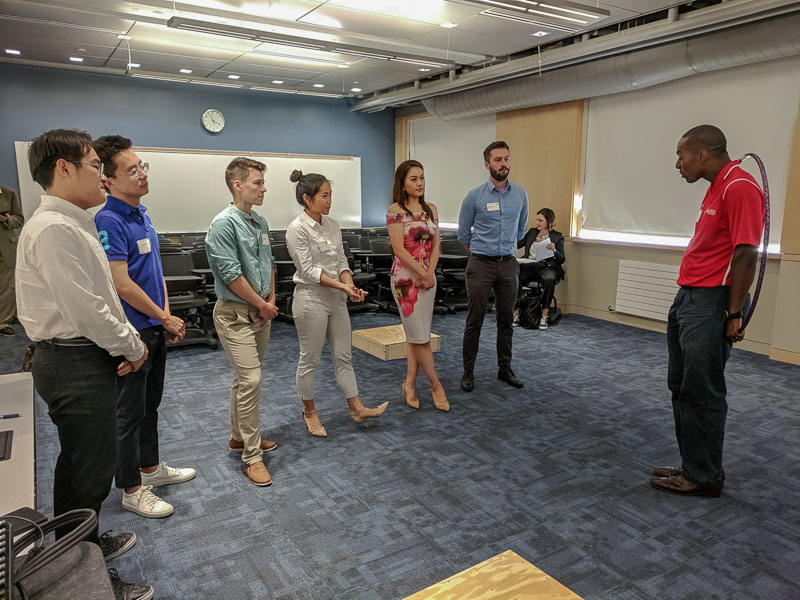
(491, 221)
(237, 244)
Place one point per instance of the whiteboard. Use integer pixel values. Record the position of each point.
(452, 154)
(187, 187)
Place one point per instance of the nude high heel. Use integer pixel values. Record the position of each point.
(362, 414)
(440, 400)
(315, 432)
(412, 402)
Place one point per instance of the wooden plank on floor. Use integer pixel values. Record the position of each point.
(387, 343)
(506, 576)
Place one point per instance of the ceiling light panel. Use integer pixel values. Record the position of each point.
(558, 9)
(433, 12)
(372, 23)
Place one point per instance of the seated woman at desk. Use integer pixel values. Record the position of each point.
(414, 232)
(549, 270)
(323, 283)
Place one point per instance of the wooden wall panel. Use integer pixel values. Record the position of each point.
(790, 237)
(546, 150)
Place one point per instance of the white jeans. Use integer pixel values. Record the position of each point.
(320, 313)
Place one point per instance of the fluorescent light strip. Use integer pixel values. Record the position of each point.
(214, 31)
(12, 51)
(158, 77)
(270, 40)
(504, 5)
(572, 12)
(555, 16)
(529, 21)
(363, 54)
(214, 83)
(423, 63)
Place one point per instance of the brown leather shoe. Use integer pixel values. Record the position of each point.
(257, 474)
(238, 446)
(667, 471)
(673, 471)
(683, 487)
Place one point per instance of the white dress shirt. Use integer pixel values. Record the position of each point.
(315, 249)
(63, 281)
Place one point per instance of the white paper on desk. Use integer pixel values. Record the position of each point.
(540, 250)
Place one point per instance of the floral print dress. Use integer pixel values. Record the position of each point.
(415, 304)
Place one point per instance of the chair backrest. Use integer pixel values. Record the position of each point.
(346, 248)
(179, 263)
(380, 245)
(453, 247)
(281, 252)
(278, 235)
(189, 239)
(364, 242)
(353, 240)
(199, 258)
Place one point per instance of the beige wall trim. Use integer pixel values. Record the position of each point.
(678, 249)
(791, 257)
(790, 237)
(786, 356)
(401, 124)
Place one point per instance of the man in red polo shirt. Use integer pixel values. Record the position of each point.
(706, 317)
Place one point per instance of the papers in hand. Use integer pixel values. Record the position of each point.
(540, 251)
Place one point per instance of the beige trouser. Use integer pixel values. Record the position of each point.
(244, 335)
(8, 303)
(320, 313)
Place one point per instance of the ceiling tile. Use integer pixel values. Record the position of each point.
(367, 22)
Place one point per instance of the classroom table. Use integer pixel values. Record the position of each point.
(17, 474)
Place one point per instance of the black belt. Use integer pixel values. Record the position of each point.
(492, 258)
(70, 342)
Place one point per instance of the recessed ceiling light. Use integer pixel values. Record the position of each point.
(122, 36)
(448, 25)
(424, 70)
(81, 49)
(134, 65)
(319, 85)
(277, 81)
(186, 71)
(539, 34)
(343, 66)
(356, 82)
(12, 51)
(355, 89)
(76, 58)
(233, 76)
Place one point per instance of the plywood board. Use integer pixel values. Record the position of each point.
(506, 576)
(387, 343)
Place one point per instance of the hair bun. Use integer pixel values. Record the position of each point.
(295, 176)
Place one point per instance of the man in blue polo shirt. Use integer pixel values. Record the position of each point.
(493, 217)
(131, 244)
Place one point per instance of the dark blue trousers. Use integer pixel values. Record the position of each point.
(698, 351)
(79, 385)
(137, 411)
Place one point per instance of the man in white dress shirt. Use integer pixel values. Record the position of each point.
(70, 309)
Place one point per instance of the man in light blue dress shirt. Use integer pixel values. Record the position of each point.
(493, 217)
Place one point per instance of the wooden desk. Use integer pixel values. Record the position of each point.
(17, 473)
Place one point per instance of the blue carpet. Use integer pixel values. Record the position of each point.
(556, 472)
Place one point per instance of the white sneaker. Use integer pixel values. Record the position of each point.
(145, 503)
(543, 323)
(166, 475)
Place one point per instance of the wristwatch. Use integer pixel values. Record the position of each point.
(732, 316)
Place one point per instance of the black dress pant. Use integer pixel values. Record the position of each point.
(484, 275)
(79, 385)
(137, 411)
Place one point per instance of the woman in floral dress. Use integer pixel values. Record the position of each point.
(414, 233)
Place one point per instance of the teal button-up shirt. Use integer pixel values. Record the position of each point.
(237, 244)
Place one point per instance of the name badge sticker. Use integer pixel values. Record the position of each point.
(144, 246)
(265, 239)
(492, 206)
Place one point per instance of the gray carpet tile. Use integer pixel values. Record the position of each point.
(556, 472)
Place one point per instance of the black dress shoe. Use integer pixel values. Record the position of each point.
(508, 376)
(467, 381)
(683, 487)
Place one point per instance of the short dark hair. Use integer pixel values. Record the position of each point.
(239, 170)
(549, 216)
(706, 137)
(306, 184)
(70, 144)
(107, 148)
(494, 145)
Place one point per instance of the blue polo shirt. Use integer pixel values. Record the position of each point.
(498, 219)
(126, 233)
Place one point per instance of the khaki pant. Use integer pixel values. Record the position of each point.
(244, 335)
(320, 313)
(8, 301)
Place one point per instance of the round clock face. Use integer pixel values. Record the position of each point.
(213, 120)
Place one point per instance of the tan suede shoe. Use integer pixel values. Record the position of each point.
(257, 474)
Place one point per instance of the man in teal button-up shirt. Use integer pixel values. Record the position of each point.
(240, 257)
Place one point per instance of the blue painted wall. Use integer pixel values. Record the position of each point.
(167, 114)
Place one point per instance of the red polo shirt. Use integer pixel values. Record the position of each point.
(732, 214)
